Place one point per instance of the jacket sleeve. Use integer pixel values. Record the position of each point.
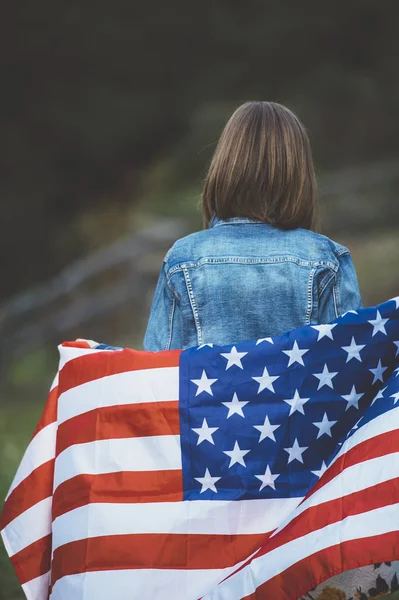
(342, 293)
(164, 325)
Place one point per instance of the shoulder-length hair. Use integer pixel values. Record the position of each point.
(262, 169)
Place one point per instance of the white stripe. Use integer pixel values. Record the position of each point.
(40, 450)
(262, 569)
(194, 517)
(37, 589)
(55, 382)
(30, 526)
(384, 423)
(68, 353)
(132, 387)
(143, 584)
(349, 481)
(153, 453)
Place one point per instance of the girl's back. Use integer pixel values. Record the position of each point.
(243, 279)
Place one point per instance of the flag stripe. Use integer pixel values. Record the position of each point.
(113, 363)
(37, 588)
(140, 486)
(223, 518)
(363, 447)
(353, 479)
(155, 453)
(157, 551)
(137, 583)
(315, 514)
(317, 517)
(49, 414)
(34, 488)
(131, 420)
(40, 450)
(30, 526)
(262, 569)
(383, 423)
(69, 352)
(132, 387)
(34, 560)
(321, 565)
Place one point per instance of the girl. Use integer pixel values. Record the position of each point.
(259, 267)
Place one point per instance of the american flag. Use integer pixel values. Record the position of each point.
(249, 471)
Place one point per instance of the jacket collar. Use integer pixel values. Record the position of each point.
(216, 221)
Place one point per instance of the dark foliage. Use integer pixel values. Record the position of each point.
(94, 92)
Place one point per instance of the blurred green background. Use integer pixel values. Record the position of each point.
(109, 114)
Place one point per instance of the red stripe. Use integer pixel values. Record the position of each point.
(34, 560)
(35, 487)
(380, 445)
(49, 414)
(320, 566)
(152, 551)
(115, 422)
(76, 344)
(100, 364)
(317, 517)
(127, 487)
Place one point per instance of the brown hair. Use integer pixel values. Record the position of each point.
(262, 169)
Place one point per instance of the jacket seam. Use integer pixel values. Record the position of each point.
(248, 261)
(337, 300)
(193, 304)
(342, 252)
(326, 284)
(238, 222)
(170, 321)
(310, 296)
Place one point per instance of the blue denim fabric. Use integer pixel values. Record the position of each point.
(243, 279)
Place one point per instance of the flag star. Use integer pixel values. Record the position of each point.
(353, 350)
(321, 471)
(324, 426)
(267, 479)
(295, 355)
(397, 372)
(266, 430)
(378, 372)
(378, 324)
(205, 432)
(296, 403)
(325, 377)
(324, 331)
(352, 399)
(379, 395)
(268, 339)
(203, 346)
(207, 482)
(397, 345)
(236, 455)
(266, 381)
(204, 384)
(235, 406)
(396, 300)
(396, 396)
(295, 452)
(234, 358)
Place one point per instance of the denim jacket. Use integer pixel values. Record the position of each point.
(242, 280)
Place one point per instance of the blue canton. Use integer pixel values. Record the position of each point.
(265, 418)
